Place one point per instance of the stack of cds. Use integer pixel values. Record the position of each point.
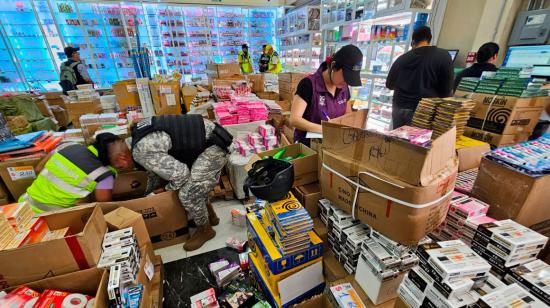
(533, 276)
(506, 243)
(510, 296)
(447, 274)
(425, 112)
(453, 111)
(345, 238)
(344, 295)
(465, 181)
(291, 223)
(464, 216)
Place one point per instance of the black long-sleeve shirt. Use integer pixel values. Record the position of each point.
(476, 70)
(421, 72)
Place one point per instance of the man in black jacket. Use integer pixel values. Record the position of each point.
(486, 56)
(424, 71)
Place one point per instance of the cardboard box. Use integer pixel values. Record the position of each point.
(384, 202)
(333, 269)
(289, 133)
(60, 256)
(291, 77)
(258, 82)
(309, 195)
(286, 96)
(317, 301)
(514, 195)
(496, 140)
(389, 156)
(76, 110)
(44, 108)
(18, 174)
(399, 303)
(215, 70)
(164, 216)
(55, 99)
(157, 290)
(470, 152)
(321, 230)
(276, 263)
(288, 87)
(305, 168)
(92, 282)
(126, 93)
(285, 105)
(377, 290)
(166, 97)
(284, 141)
(123, 218)
(505, 115)
(61, 115)
(130, 185)
(274, 96)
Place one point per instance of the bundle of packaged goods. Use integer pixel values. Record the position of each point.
(447, 274)
(264, 140)
(121, 256)
(532, 276)
(223, 90)
(84, 93)
(285, 249)
(94, 124)
(19, 227)
(26, 297)
(465, 181)
(224, 271)
(506, 244)
(134, 114)
(414, 135)
(238, 112)
(442, 114)
(464, 216)
(344, 295)
(510, 296)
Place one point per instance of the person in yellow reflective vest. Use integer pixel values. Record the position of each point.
(274, 66)
(74, 171)
(245, 61)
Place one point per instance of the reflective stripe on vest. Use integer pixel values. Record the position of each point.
(38, 207)
(277, 68)
(75, 190)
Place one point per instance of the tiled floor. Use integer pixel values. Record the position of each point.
(224, 230)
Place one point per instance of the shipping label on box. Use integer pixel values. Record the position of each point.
(20, 173)
(131, 88)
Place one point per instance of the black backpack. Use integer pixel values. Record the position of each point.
(67, 76)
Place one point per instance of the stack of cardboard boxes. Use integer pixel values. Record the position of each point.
(288, 82)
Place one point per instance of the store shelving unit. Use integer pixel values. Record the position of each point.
(300, 39)
(382, 29)
(168, 36)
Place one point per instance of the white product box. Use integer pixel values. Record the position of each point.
(410, 299)
(437, 300)
(535, 277)
(118, 233)
(510, 237)
(113, 286)
(510, 296)
(379, 291)
(384, 259)
(492, 284)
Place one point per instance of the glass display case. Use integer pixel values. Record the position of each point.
(202, 37)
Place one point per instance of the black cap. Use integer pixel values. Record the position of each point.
(244, 46)
(70, 50)
(350, 58)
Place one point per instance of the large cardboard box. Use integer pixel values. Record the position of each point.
(126, 93)
(164, 216)
(92, 282)
(321, 230)
(44, 107)
(384, 202)
(123, 218)
(470, 152)
(496, 140)
(258, 82)
(514, 195)
(505, 115)
(289, 133)
(309, 195)
(288, 87)
(56, 257)
(274, 96)
(305, 168)
(215, 70)
(18, 174)
(130, 185)
(61, 115)
(76, 110)
(390, 156)
(291, 77)
(166, 97)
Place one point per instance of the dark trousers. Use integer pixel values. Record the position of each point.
(401, 116)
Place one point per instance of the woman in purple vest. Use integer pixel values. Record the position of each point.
(324, 95)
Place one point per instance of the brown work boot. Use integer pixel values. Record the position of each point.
(202, 235)
(212, 217)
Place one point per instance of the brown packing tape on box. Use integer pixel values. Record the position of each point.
(60, 256)
(164, 216)
(126, 94)
(166, 97)
(18, 174)
(92, 282)
(384, 202)
(392, 157)
(514, 195)
(496, 140)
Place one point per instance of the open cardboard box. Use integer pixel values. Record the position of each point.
(130, 185)
(18, 174)
(305, 168)
(309, 195)
(470, 152)
(60, 256)
(92, 282)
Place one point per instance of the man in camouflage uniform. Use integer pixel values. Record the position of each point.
(187, 152)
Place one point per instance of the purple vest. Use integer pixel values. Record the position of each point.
(322, 103)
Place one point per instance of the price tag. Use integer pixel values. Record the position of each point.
(171, 99)
(149, 268)
(21, 173)
(165, 89)
(131, 88)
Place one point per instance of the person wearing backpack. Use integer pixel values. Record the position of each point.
(73, 72)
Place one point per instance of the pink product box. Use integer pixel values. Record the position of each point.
(255, 139)
(243, 147)
(414, 135)
(271, 142)
(266, 130)
(259, 148)
(467, 208)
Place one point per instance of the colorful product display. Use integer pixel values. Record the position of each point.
(530, 157)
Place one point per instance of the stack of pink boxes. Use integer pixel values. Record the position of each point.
(230, 113)
(262, 141)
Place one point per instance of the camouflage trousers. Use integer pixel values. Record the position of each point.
(193, 185)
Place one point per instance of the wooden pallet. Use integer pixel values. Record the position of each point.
(223, 189)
